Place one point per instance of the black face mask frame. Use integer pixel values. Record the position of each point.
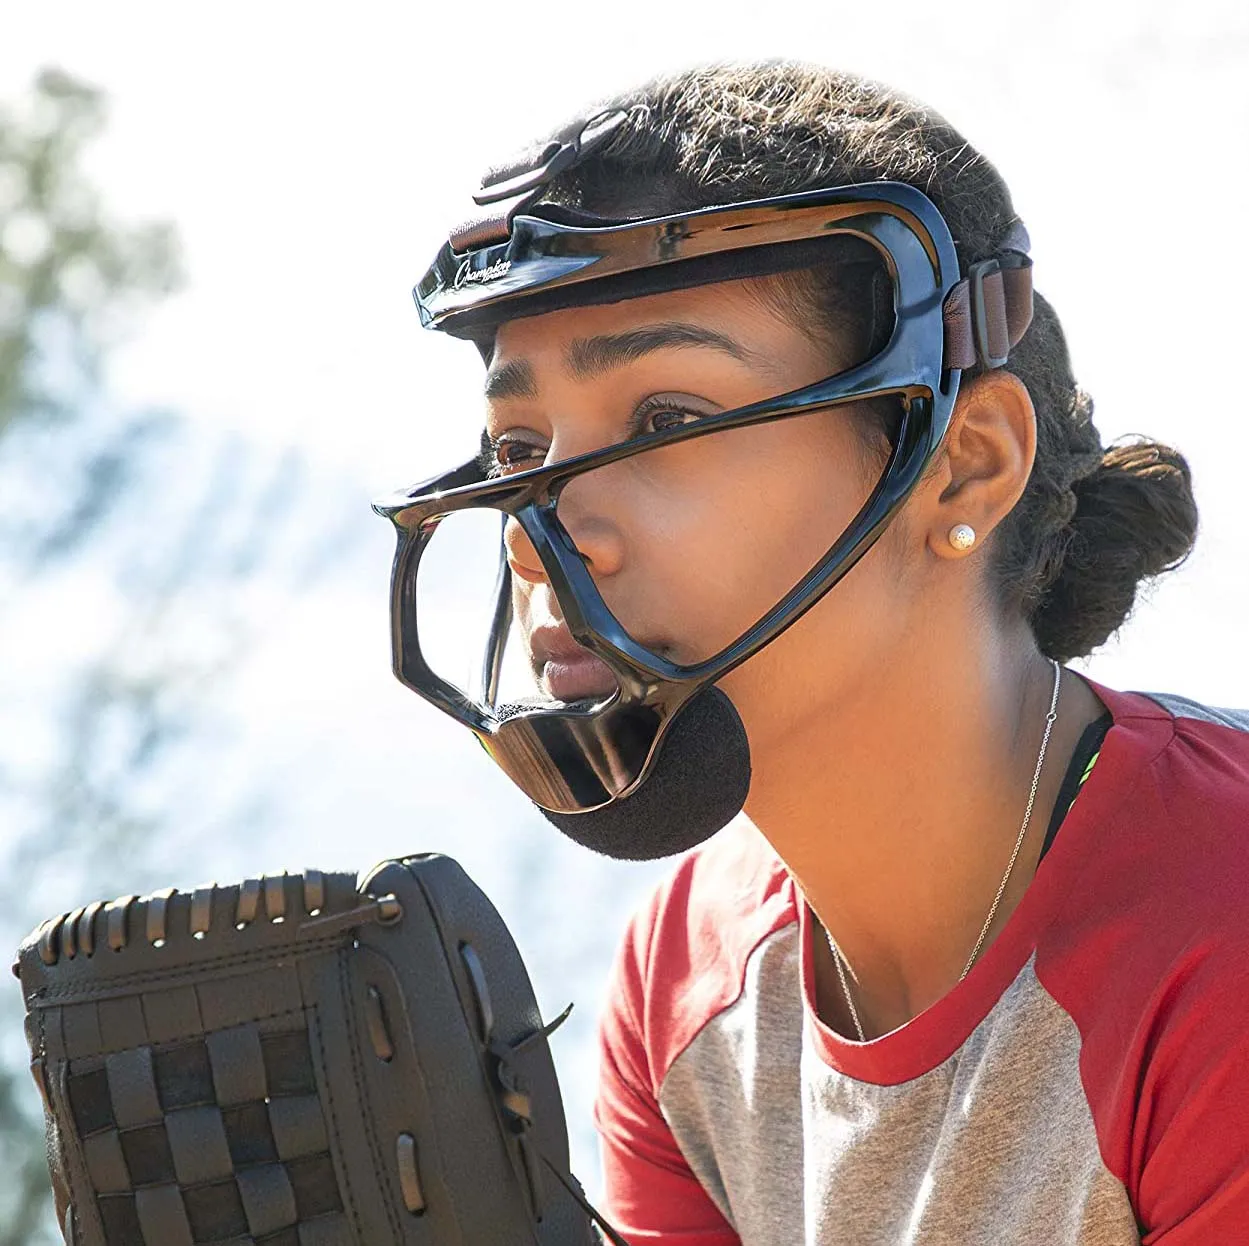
(578, 757)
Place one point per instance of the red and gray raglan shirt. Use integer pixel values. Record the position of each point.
(1087, 1082)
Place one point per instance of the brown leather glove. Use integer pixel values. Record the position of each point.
(298, 1061)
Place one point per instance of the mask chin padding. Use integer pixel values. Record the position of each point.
(698, 785)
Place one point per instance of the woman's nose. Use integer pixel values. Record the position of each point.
(596, 535)
(522, 558)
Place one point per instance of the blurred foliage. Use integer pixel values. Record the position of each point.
(69, 279)
(67, 271)
(131, 537)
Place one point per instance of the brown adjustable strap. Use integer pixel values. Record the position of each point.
(491, 226)
(510, 187)
(988, 312)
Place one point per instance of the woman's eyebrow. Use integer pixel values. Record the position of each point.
(514, 379)
(588, 357)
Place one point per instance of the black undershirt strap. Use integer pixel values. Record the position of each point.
(1089, 746)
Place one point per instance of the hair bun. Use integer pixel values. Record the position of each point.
(1135, 518)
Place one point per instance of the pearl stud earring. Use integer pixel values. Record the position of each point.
(962, 536)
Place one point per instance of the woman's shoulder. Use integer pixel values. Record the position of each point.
(684, 955)
(1182, 765)
(1187, 710)
(1199, 777)
(1149, 895)
(1183, 712)
(731, 890)
(1160, 832)
(1149, 952)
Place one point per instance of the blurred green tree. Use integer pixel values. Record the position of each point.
(69, 278)
(117, 530)
(65, 267)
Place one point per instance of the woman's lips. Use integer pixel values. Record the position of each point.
(568, 671)
(579, 677)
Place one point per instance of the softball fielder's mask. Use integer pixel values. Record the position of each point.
(658, 762)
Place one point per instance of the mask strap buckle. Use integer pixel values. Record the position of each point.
(515, 186)
(987, 313)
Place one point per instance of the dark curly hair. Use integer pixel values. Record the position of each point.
(1092, 523)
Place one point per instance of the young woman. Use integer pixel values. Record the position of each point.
(972, 966)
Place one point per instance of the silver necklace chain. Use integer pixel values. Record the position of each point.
(840, 961)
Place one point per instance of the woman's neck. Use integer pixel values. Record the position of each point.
(897, 816)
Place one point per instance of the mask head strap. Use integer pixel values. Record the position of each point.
(506, 189)
(991, 308)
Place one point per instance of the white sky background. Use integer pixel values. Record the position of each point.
(313, 156)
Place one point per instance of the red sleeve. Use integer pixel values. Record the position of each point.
(682, 963)
(1158, 984)
(651, 1194)
(1193, 1130)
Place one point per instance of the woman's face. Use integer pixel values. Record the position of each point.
(691, 544)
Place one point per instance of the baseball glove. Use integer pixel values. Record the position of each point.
(299, 1061)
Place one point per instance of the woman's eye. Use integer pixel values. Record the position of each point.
(503, 454)
(508, 452)
(659, 419)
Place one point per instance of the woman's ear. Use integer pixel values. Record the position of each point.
(987, 459)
